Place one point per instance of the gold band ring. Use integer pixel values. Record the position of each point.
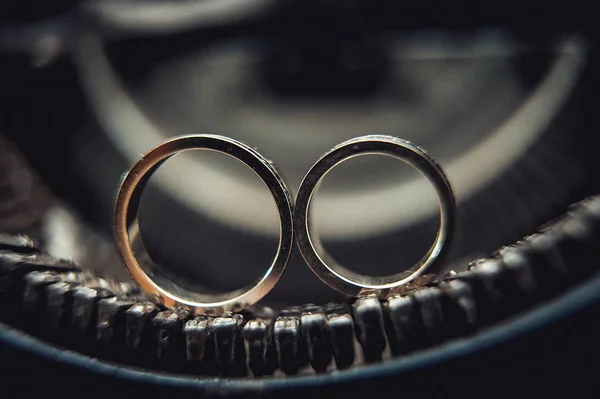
(135, 257)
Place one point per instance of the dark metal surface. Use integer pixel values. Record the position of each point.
(459, 307)
(287, 337)
(401, 321)
(101, 317)
(368, 319)
(511, 347)
(314, 331)
(341, 334)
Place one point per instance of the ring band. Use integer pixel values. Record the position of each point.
(135, 257)
(309, 243)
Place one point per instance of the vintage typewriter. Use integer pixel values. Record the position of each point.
(502, 96)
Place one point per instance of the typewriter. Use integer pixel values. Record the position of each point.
(502, 96)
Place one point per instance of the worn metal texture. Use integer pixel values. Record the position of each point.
(63, 303)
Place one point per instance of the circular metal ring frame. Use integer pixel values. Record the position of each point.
(309, 243)
(134, 255)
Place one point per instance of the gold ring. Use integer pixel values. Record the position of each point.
(135, 257)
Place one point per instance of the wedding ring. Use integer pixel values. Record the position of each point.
(317, 258)
(134, 255)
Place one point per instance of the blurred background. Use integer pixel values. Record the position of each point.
(87, 87)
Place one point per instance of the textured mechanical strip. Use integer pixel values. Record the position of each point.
(368, 319)
(429, 306)
(260, 346)
(230, 350)
(401, 324)
(58, 301)
(459, 308)
(340, 329)
(169, 339)
(314, 330)
(287, 337)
